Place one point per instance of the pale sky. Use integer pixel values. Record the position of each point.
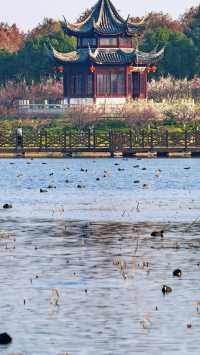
(28, 13)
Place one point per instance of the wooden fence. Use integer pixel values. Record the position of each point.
(110, 141)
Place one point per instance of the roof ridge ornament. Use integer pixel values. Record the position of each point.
(65, 21)
(104, 19)
(128, 17)
(92, 54)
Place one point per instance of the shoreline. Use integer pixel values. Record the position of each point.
(63, 155)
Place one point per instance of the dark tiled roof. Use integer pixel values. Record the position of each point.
(153, 57)
(103, 20)
(78, 56)
(112, 56)
(106, 56)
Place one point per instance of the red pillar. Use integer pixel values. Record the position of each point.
(95, 85)
(126, 82)
(66, 85)
(143, 85)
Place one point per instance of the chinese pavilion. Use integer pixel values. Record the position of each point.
(107, 65)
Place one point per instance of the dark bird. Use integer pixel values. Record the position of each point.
(7, 205)
(5, 339)
(43, 190)
(166, 289)
(177, 273)
(157, 233)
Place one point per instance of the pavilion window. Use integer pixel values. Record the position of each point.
(92, 42)
(110, 84)
(77, 84)
(130, 84)
(143, 84)
(89, 85)
(125, 42)
(114, 83)
(121, 84)
(108, 42)
(136, 85)
(99, 84)
(103, 84)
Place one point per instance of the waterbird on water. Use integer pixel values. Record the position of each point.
(177, 273)
(5, 339)
(43, 190)
(198, 305)
(7, 205)
(157, 173)
(166, 289)
(158, 233)
(146, 322)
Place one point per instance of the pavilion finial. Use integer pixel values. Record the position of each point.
(65, 20)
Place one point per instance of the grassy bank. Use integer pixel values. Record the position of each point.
(56, 125)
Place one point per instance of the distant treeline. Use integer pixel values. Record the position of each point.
(23, 56)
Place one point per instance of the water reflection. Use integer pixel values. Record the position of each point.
(108, 277)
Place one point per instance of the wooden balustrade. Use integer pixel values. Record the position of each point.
(111, 141)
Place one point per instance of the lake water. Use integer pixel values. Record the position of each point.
(79, 270)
